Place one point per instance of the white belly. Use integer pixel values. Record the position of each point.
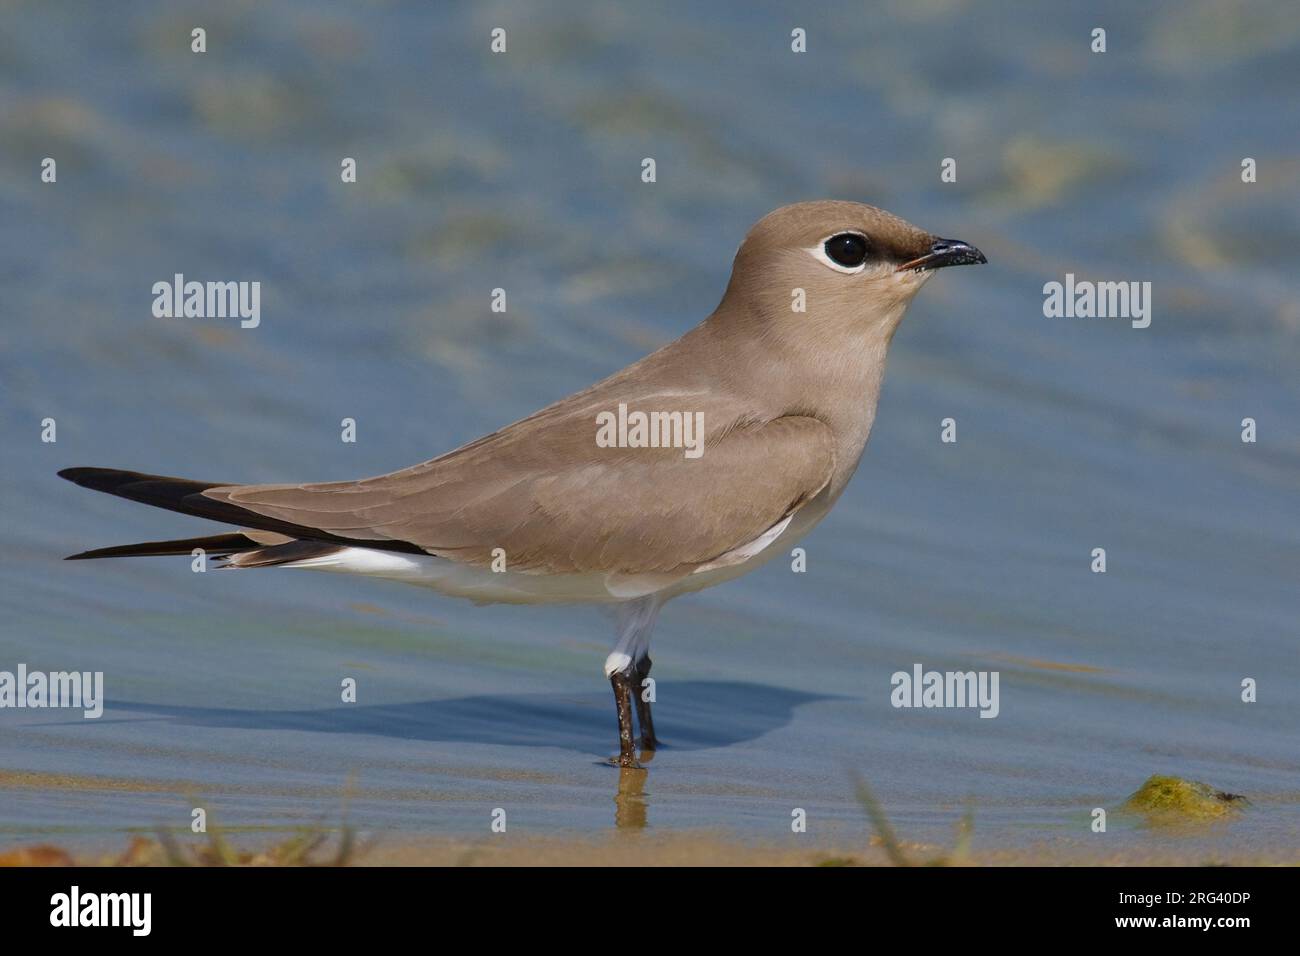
(484, 586)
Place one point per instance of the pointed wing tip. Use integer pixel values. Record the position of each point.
(85, 476)
(87, 555)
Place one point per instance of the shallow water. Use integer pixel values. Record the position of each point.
(522, 171)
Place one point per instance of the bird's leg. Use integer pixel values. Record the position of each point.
(643, 717)
(622, 682)
(636, 619)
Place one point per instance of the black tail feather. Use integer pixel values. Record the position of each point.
(186, 496)
(215, 545)
(174, 494)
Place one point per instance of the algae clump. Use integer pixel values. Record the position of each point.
(1172, 799)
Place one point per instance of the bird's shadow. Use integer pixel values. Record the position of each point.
(689, 715)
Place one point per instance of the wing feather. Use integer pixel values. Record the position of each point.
(544, 492)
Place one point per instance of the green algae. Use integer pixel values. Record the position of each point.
(1172, 800)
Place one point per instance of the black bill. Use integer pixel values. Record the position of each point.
(946, 252)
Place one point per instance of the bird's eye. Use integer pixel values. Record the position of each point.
(847, 249)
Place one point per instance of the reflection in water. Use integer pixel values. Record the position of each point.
(630, 803)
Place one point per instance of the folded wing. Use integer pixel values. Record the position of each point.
(555, 502)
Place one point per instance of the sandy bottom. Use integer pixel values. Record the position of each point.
(694, 848)
(714, 849)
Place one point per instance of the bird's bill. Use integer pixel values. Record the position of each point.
(946, 252)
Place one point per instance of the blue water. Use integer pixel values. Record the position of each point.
(522, 171)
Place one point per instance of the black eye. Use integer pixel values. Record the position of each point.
(848, 249)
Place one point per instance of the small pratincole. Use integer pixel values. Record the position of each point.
(686, 469)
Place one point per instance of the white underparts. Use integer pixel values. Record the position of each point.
(636, 598)
(484, 585)
(746, 551)
(636, 621)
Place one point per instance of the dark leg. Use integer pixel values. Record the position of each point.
(622, 682)
(648, 739)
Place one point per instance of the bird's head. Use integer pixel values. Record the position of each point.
(835, 269)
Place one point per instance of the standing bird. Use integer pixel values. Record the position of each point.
(686, 469)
